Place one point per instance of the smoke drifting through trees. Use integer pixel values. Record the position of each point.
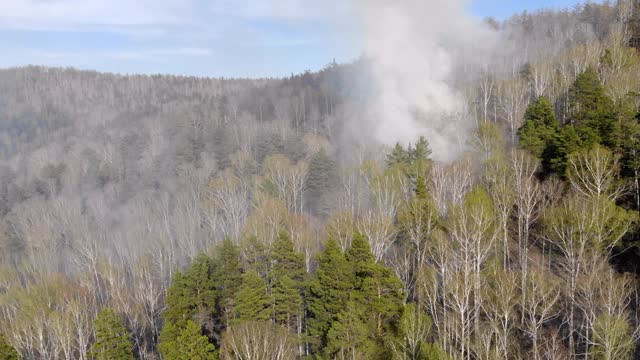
(114, 183)
(437, 71)
(415, 47)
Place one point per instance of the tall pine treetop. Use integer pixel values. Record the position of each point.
(286, 260)
(227, 275)
(113, 341)
(587, 96)
(360, 250)
(192, 291)
(417, 154)
(421, 151)
(398, 156)
(541, 113)
(591, 108)
(540, 127)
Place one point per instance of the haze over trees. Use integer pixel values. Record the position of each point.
(189, 218)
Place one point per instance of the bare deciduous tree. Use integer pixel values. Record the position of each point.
(254, 340)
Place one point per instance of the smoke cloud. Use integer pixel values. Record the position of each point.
(423, 53)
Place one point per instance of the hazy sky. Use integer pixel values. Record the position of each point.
(195, 37)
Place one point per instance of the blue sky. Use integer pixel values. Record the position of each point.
(504, 8)
(228, 38)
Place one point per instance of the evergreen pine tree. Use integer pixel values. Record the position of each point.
(421, 151)
(7, 352)
(168, 335)
(360, 255)
(286, 261)
(592, 108)
(417, 220)
(348, 337)
(542, 135)
(379, 291)
(252, 302)
(287, 281)
(555, 156)
(179, 299)
(255, 256)
(421, 188)
(227, 277)
(322, 177)
(191, 293)
(113, 341)
(190, 344)
(288, 306)
(398, 156)
(328, 292)
(630, 144)
(540, 127)
(223, 147)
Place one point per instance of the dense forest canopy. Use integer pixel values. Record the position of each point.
(196, 218)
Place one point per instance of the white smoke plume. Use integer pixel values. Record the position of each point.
(422, 52)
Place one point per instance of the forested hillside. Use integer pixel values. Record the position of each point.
(169, 217)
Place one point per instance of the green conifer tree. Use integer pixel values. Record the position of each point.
(227, 277)
(592, 108)
(287, 279)
(421, 151)
(360, 255)
(322, 177)
(286, 261)
(379, 291)
(417, 219)
(190, 344)
(540, 127)
(7, 352)
(113, 341)
(630, 144)
(348, 337)
(206, 289)
(398, 156)
(288, 305)
(328, 292)
(564, 143)
(191, 293)
(542, 135)
(255, 256)
(421, 188)
(252, 302)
